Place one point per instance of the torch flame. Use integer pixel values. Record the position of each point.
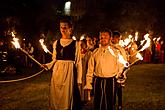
(111, 51)
(121, 43)
(158, 39)
(121, 60)
(12, 34)
(74, 38)
(82, 37)
(146, 36)
(138, 55)
(120, 57)
(127, 41)
(43, 46)
(130, 36)
(136, 36)
(154, 39)
(15, 41)
(147, 44)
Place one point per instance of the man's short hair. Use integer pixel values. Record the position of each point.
(116, 34)
(106, 30)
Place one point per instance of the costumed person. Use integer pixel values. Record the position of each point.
(88, 45)
(104, 66)
(30, 50)
(115, 41)
(162, 51)
(67, 70)
(132, 51)
(157, 52)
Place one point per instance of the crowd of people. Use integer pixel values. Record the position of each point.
(90, 67)
(155, 53)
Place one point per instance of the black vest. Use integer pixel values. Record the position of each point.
(67, 52)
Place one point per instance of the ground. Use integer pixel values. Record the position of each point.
(144, 89)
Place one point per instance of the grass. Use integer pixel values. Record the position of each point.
(31, 94)
(144, 90)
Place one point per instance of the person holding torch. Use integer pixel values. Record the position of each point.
(104, 66)
(115, 41)
(67, 70)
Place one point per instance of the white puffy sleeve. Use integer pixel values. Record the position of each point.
(90, 71)
(49, 65)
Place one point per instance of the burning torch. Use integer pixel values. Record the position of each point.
(145, 44)
(17, 46)
(44, 46)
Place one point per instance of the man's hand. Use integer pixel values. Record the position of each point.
(88, 87)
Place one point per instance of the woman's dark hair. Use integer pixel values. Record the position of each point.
(66, 20)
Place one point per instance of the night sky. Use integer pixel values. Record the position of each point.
(37, 16)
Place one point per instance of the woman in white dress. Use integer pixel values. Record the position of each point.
(67, 71)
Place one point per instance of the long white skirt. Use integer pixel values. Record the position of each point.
(62, 82)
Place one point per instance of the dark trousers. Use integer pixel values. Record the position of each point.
(119, 95)
(104, 93)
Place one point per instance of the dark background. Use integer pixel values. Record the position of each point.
(30, 18)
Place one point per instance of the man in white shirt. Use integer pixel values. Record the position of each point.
(104, 65)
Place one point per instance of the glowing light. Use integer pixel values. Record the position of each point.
(12, 34)
(15, 42)
(154, 39)
(136, 36)
(82, 37)
(44, 46)
(74, 38)
(67, 8)
(147, 44)
(111, 51)
(138, 55)
(121, 60)
(158, 39)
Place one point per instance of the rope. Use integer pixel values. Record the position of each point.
(21, 79)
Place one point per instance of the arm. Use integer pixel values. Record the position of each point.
(90, 71)
(49, 65)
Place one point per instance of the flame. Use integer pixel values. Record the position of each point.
(121, 43)
(138, 55)
(127, 41)
(74, 38)
(154, 39)
(111, 51)
(146, 36)
(120, 57)
(142, 42)
(43, 46)
(147, 44)
(130, 36)
(158, 39)
(121, 60)
(136, 36)
(12, 34)
(15, 41)
(82, 37)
